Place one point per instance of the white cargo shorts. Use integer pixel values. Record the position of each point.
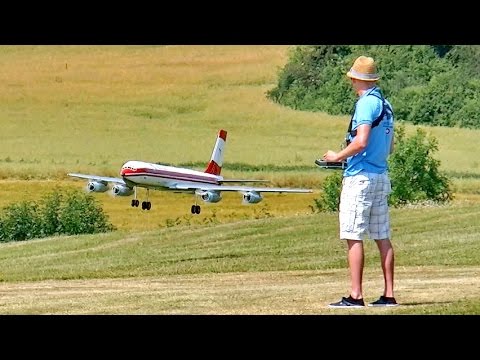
(364, 207)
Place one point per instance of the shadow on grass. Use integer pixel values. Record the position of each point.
(424, 303)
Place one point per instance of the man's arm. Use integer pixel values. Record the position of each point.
(358, 144)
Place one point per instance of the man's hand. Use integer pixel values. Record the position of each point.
(331, 156)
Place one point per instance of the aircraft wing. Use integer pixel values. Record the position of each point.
(241, 181)
(239, 188)
(98, 178)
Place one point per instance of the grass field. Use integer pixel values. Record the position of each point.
(90, 108)
(282, 265)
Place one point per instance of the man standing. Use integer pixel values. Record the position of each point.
(366, 184)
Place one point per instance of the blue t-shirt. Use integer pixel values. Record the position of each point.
(374, 158)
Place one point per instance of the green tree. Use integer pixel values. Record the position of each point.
(427, 84)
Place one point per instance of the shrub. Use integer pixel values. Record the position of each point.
(81, 214)
(413, 171)
(49, 214)
(74, 212)
(20, 221)
(330, 198)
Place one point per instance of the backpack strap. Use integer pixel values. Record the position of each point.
(375, 122)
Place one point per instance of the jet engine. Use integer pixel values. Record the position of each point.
(95, 186)
(252, 197)
(211, 196)
(121, 190)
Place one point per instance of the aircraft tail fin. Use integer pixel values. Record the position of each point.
(216, 161)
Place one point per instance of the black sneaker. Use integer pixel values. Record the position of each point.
(384, 301)
(348, 302)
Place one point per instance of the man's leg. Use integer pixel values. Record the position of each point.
(356, 263)
(388, 262)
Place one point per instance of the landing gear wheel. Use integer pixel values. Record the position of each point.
(195, 209)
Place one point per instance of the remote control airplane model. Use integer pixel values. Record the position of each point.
(207, 185)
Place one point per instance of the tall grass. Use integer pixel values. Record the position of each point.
(90, 108)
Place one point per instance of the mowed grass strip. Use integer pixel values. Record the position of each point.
(420, 291)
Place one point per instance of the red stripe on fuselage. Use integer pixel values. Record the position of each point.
(128, 173)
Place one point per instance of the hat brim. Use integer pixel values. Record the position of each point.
(373, 77)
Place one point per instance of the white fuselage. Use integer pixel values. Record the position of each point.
(143, 174)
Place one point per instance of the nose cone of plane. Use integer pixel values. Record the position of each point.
(128, 168)
(125, 170)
